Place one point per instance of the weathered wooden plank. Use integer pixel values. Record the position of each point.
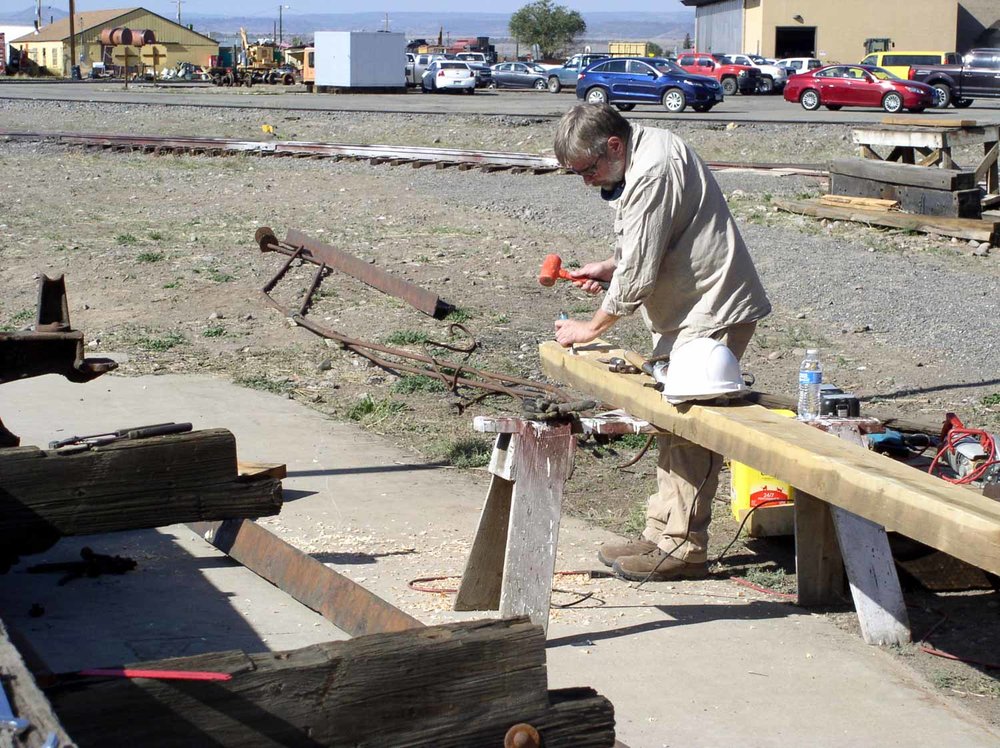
(448, 686)
(482, 579)
(544, 460)
(929, 202)
(910, 121)
(904, 174)
(964, 228)
(851, 201)
(342, 601)
(896, 496)
(129, 484)
(924, 137)
(26, 699)
(871, 571)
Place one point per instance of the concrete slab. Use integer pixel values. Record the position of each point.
(685, 664)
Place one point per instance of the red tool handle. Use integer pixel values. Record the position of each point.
(125, 672)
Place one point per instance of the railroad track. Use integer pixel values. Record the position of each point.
(396, 155)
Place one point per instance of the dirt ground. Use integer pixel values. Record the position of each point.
(164, 276)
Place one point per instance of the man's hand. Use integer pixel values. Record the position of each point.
(585, 278)
(572, 331)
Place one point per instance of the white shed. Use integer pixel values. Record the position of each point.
(360, 59)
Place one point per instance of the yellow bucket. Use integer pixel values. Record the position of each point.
(751, 488)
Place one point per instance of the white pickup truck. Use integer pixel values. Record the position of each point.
(772, 77)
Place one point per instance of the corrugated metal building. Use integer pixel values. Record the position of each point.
(836, 31)
(50, 47)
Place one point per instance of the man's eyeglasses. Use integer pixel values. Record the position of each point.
(590, 170)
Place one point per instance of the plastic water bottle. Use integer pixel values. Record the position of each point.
(810, 380)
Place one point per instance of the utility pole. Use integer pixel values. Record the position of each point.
(72, 36)
(280, 30)
(179, 9)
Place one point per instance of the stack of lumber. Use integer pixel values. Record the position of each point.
(918, 189)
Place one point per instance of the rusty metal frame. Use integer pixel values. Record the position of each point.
(299, 246)
(343, 602)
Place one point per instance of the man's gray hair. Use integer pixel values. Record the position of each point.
(584, 130)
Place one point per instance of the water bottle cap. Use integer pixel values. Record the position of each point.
(812, 351)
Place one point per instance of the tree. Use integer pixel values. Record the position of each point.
(552, 27)
(687, 41)
(654, 49)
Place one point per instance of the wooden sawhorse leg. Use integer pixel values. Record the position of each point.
(513, 556)
(863, 552)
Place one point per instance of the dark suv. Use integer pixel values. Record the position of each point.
(627, 81)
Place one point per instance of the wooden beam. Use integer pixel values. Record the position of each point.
(964, 228)
(894, 495)
(451, 686)
(127, 484)
(911, 121)
(906, 174)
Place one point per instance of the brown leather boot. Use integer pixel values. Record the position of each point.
(614, 549)
(657, 566)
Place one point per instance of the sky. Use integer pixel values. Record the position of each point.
(267, 7)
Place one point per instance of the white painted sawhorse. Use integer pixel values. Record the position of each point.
(513, 556)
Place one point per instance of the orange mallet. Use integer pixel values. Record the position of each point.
(552, 271)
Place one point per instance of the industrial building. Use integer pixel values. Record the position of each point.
(50, 48)
(838, 31)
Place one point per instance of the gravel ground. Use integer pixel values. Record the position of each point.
(163, 273)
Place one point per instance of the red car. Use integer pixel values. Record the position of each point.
(835, 86)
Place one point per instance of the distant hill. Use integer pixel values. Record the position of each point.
(605, 25)
(26, 17)
(417, 24)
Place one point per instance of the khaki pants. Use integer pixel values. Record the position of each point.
(687, 476)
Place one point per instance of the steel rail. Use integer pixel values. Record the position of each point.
(278, 106)
(393, 154)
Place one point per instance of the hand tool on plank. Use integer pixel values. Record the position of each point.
(133, 432)
(8, 721)
(552, 271)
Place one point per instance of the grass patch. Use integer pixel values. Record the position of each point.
(501, 319)
(469, 452)
(635, 523)
(215, 331)
(126, 239)
(218, 276)
(571, 264)
(176, 283)
(23, 316)
(370, 409)
(155, 236)
(406, 337)
(162, 343)
(633, 441)
(458, 315)
(417, 383)
(772, 579)
(265, 384)
(990, 400)
(149, 257)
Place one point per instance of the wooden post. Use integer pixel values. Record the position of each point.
(819, 568)
(545, 455)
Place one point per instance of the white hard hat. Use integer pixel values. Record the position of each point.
(701, 369)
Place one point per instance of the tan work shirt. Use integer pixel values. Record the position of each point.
(680, 257)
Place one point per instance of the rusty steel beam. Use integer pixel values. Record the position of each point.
(346, 604)
(326, 256)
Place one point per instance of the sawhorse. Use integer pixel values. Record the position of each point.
(513, 556)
